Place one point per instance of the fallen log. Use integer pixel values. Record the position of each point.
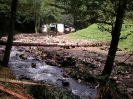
(64, 45)
(28, 44)
(21, 82)
(11, 92)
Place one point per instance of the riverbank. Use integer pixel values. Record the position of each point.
(82, 63)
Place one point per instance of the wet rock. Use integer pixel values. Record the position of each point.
(119, 82)
(68, 61)
(126, 72)
(27, 50)
(65, 83)
(115, 77)
(20, 50)
(17, 54)
(23, 56)
(33, 65)
(39, 58)
(23, 77)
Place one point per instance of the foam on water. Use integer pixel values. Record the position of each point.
(47, 73)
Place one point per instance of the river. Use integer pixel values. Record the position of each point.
(36, 70)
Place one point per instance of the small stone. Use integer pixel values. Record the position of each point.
(23, 56)
(33, 65)
(17, 54)
(126, 72)
(119, 82)
(115, 77)
(79, 80)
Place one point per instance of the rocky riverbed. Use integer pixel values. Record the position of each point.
(79, 62)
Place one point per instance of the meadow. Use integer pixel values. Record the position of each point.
(102, 33)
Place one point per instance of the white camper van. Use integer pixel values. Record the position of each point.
(57, 27)
(44, 28)
(60, 28)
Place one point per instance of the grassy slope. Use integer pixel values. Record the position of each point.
(94, 33)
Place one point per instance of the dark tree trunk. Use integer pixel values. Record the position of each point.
(115, 38)
(10, 35)
(36, 24)
(104, 90)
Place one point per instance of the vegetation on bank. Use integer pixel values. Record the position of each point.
(92, 32)
(95, 32)
(11, 90)
(14, 89)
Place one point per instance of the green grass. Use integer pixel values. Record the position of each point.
(94, 33)
(126, 41)
(91, 33)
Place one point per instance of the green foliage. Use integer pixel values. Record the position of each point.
(51, 92)
(66, 19)
(85, 74)
(4, 15)
(107, 12)
(126, 42)
(36, 13)
(83, 11)
(120, 68)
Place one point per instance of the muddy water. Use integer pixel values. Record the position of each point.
(39, 71)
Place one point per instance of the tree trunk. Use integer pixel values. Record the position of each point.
(104, 90)
(36, 24)
(10, 35)
(115, 38)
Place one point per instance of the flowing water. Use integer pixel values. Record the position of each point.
(42, 72)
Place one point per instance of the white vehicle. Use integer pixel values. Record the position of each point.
(60, 28)
(44, 28)
(72, 29)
